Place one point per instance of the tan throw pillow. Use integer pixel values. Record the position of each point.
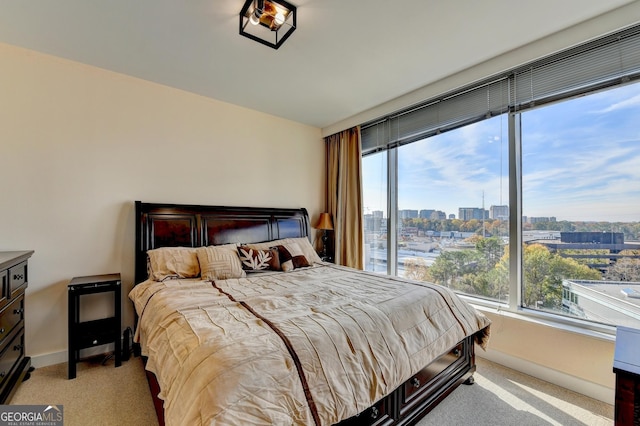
(307, 248)
(291, 257)
(173, 262)
(303, 242)
(220, 262)
(255, 260)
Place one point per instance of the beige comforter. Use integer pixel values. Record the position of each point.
(276, 348)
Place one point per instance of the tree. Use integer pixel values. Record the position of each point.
(475, 271)
(451, 266)
(454, 225)
(416, 269)
(496, 227)
(484, 271)
(491, 250)
(589, 260)
(625, 269)
(471, 225)
(543, 273)
(563, 226)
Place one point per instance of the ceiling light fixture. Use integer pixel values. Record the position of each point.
(269, 22)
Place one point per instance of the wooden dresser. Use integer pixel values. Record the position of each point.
(626, 365)
(14, 365)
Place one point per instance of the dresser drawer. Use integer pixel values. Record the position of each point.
(17, 278)
(10, 355)
(4, 281)
(380, 414)
(420, 385)
(10, 316)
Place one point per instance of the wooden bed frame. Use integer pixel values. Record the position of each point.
(171, 225)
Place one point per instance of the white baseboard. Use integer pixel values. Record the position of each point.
(45, 360)
(53, 358)
(576, 384)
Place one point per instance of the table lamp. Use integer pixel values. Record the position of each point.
(325, 224)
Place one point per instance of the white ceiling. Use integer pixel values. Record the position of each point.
(345, 57)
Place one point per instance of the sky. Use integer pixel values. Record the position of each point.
(580, 162)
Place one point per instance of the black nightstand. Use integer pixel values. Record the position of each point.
(85, 334)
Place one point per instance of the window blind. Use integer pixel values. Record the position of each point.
(608, 61)
(436, 116)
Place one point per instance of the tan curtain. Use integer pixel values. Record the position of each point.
(344, 196)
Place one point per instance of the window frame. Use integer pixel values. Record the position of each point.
(389, 136)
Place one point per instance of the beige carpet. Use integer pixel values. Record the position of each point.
(502, 396)
(104, 395)
(100, 395)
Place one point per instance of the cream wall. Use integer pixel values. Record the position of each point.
(80, 144)
(572, 358)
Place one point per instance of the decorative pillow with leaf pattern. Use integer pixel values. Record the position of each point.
(303, 244)
(255, 260)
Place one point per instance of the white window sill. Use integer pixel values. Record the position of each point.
(574, 325)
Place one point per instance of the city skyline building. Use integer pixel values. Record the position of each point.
(499, 212)
(469, 213)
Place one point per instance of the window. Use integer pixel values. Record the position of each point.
(581, 201)
(522, 190)
(374, 188)
(453, 209)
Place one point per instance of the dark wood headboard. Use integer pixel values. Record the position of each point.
(173, 225)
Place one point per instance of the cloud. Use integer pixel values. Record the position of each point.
(632, 102)
(581, 160)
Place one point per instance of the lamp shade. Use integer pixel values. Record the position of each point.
(324, 222)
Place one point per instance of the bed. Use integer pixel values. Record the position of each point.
(288, 339)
